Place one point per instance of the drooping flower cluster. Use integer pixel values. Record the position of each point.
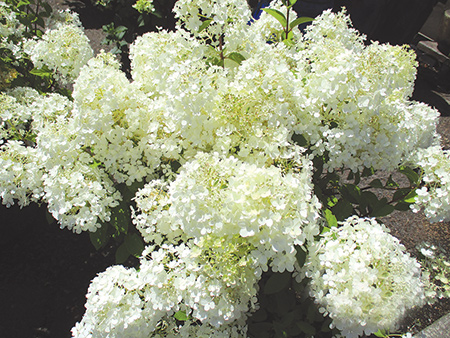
(434, 197)
(362, 277)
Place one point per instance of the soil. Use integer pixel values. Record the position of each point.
(45, 271)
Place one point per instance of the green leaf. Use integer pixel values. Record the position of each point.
(43, 72)
(47, 8)
(122, 254)
(330, 218)
(120, 32)
(299, 21)
(236, 57)
(129, 191)
(277, 282)
(277, 15)
(380, 333)
(402, 206)
(412, 176)
(376, 183)
(120, 218)
(23, 3)
(100, 237)
(400, 194)
(391, 183)
(367, 172)
(306, 327)
(411, 197)
(351, 193)
(134, 244)
(204, 25)
(181, 316)
(342, 210)
(300, 140)
(382, 208)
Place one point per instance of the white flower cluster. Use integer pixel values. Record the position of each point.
(114, 121)
(210, 19)
(354, 101)
(64, 49)
(20, 174)
(9, 23)
(434, 196)
(362, 277)
(225, 197)
(57, 170)
(243, 197)
(211, 283)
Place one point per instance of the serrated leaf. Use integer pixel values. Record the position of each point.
(277, 282)
(277, 15)
(299, 21)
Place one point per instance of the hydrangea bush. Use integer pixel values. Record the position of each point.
(227, 151)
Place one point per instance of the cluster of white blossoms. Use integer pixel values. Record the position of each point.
(20, 174)
(211, 19)
(362, 277)
(434, 196)
(229, 116)
(9, 23)
(42, 161)
(225, 197)
(212, 284)
(354, 101)
(64, 49)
